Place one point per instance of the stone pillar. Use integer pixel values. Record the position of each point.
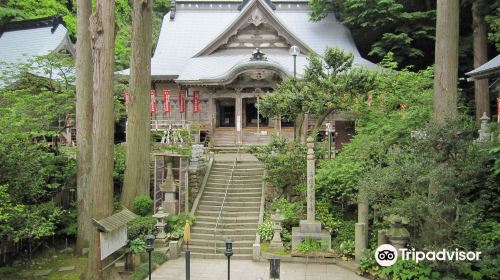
(361, 227)
(311, 170)
(484, 131)
(381, 237)
(238, 115)
(359, 240)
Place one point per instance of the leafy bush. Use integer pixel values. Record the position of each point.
(409, 269)
(285, 163)
(142, 205)
(137, 246)
(176, 223)
(292, 212)
(141, 226)
(265, 230)
(157, 258)
(346, 249)
(310, 245)
(368, 265)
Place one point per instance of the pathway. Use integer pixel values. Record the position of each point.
(212, 269)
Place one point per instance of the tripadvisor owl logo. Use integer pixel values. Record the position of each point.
(386, 255)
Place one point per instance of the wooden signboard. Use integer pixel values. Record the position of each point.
(112, 241)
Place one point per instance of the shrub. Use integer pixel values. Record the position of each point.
(409, 269)
(142, 205)
(309, 245)
(141, 226)
(137, 246)
(265, 230)
(292, 212)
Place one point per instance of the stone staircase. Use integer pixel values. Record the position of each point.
(240, 215)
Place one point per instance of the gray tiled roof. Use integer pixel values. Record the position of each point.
(192, 30)
(20, 46)
(488, 68)
(115, 221)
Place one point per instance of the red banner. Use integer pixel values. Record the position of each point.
(196, 101)
(166, 100)
(126, 101)
(498, 109)
(152, 103)
(181, 101)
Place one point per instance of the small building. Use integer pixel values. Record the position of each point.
(491, 71)
(215, 59)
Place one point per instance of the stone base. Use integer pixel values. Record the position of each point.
(276, 246)
(161, 242)
(310, 227)
(298, 236)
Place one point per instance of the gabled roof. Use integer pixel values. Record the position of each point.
(490, 68)
(179, 52)
(243, 19)
(22, 41)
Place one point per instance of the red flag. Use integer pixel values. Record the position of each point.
(126, 101)
(152, 107)
(181, 100)
(196, 101)
(498, 109)
(166, 100)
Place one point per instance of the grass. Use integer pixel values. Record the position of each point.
(264, 247)
(25, 270)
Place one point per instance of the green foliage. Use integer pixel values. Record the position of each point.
(494, 24)
(137, 246)
(368, 265)
(285, 162)
(142, 205)
(405, 28)
(265, 230)
(119, 165)
(330, 84)
(292, 211)
(176, 223)
(406, 270)
(310, 245)
(140, 227)
(324, 216)
(346, 249)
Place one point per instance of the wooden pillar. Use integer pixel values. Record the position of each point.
(238, 108)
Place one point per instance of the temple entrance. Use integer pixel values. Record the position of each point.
(225, 112)
(251, 112)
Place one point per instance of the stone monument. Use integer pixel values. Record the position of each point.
(310, 227)
(276, 243)
(484, 131)
(161, 237)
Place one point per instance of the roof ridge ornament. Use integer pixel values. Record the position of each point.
(172, 9)
(258, 55)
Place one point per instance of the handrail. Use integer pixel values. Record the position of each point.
(225, 196)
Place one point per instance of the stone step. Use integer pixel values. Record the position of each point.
(227, 225)
(226, 213)
(239, 165)
(235, 177)
(222, 231)
(232, 194)
(233, 198)
(235, 185)
(253, 173)
(228, 209)
(197, 255)
(220, 243)
(234, 237)
(220, 249)
(250, 203)
(228, 219)
(232, 189)
(242, 168)
(236, 180)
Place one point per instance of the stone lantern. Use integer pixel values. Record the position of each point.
(397, 234)
(276, 243)
(160, 225)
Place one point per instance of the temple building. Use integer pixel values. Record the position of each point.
(215, 59)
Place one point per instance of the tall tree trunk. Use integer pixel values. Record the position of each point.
(136, 181)
(480, 46)
(83, 123)
(102, 28)
(299, 121)
(446, 73)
